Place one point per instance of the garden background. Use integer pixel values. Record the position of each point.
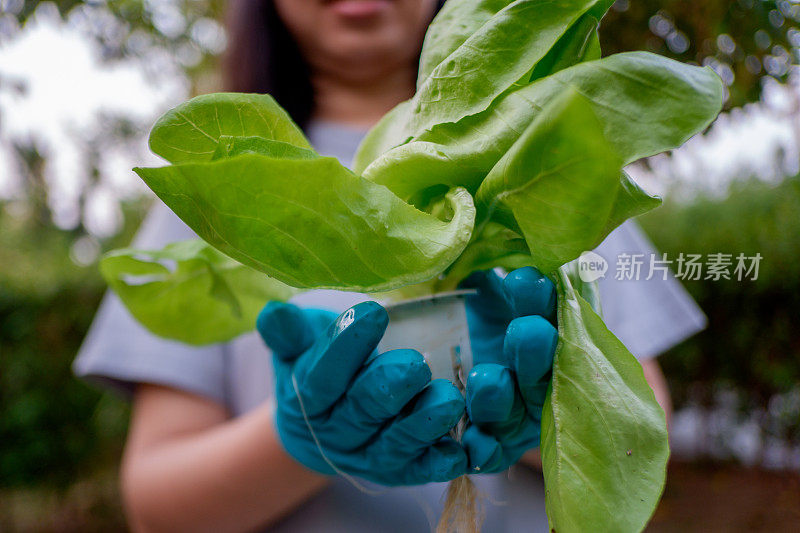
(80, 84)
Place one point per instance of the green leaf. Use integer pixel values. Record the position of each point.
(311, 223)
(646, 103)
(580, 43)
(588, 290)
(497, 246)
(233, 146)
(458, 20)
(411, 167)
(600, 9)
(454, 24)
(386, 134)
(557, 184)
(493, 58)
(631, 202)
(191, 131)
(189, 291)
(416, 166)
(604, 436)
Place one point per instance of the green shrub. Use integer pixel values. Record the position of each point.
(53, 427)
(752, 341)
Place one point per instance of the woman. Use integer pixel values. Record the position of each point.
(203, 452)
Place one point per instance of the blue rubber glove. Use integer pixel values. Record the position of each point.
(513, 343)
(375, 416)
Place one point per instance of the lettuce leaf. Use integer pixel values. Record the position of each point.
(502, 51)
(646, 103)
(604, 436)
(191, 131)
(466, 62)
(311, 223)
(557, 183)
(189, 291)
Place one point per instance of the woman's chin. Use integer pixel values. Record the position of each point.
(381, 44)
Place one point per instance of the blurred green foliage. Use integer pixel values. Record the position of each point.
(752, 342)
(745, 41)
(126, 28)
(53, 427)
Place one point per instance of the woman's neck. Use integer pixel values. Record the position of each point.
(361, 100)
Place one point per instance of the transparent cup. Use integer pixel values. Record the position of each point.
(436, 326)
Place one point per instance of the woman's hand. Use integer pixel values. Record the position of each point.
(513, 343)
(376, 416)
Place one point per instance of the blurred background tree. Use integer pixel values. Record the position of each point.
(747, 42)
(80, 85)
(113, 67)
(67, 195)
(189, 28)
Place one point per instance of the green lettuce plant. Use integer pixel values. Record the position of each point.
(509, 154)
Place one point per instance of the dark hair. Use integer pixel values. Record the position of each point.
(262, 57)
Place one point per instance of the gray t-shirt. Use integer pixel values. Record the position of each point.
(649, 316)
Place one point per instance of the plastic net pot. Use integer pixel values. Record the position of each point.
(436, 326)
